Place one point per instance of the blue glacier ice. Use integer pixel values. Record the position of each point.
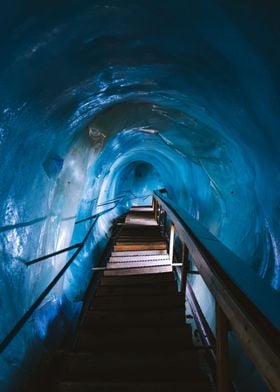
(115, 98)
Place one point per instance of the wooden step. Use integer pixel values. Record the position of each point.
(140, 242)
(153, 246)
(128, 227)
(142, 209)
(139, 264)
(141, 233)
(135, 280)
(174, 317)
(138, 271)
(151, 252)
(125, 339)
(136, 243)
(152, 290)
(139, 386)
(143, 374)
(141, 222)
(143, 217)
(136, 212)
(137, 303)
(125, 259)
(139, 239)
(122, 366)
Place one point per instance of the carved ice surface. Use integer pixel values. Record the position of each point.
(133, 96)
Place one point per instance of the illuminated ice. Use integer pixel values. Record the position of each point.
(175, 94)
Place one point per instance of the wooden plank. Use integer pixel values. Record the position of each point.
(136, 280)
(163, 318)
(144, 231)
(138, 239)
(198, 385)
(144, 241)
(156, 289)
(140, 247)
(140, 214)
(185, 269)
(138, 264)
(127, 228)
(138, 271)
(123, 366)
(125, 259)
(133, 303)
(139, 253)
(222, 352)
(142, 209)
(171, 242)
(123, 339)
(142, 222)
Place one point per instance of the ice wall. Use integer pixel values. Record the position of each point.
(103, 98)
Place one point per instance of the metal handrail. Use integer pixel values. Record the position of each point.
(49, 255)
(238, 308)
(58, 252)
(41, 219)
(34, 261)
(21, 322)
(78, 245)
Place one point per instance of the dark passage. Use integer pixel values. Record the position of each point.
(133, 335)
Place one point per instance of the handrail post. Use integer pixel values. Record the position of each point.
(185, 269)
(171, 242)
(164, 222)
(222, 351)
(155, 209)
(159, 215)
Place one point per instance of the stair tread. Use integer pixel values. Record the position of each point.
(157, 289)
(139, 386)
(148, 246)
(139, 252)
(139, 241)
(142, 208)
(125, 373)
(140, 236)
(159, 318)
(136, 303)
(125, 259)
(88, 365)
(138, 271)
(125, 335)
(148, 279)
(134, 339)
(138, 264)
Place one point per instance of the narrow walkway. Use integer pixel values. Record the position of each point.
(133, 336)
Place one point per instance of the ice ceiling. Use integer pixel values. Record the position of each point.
(100, 98)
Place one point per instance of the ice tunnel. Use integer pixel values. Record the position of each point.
(103, 102)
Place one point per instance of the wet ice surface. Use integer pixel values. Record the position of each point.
(190, 102)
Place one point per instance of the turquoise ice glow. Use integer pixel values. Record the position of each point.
(130, 96)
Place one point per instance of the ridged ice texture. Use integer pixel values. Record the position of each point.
(130, 96)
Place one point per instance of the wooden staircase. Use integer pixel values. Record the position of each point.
(133, 336)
